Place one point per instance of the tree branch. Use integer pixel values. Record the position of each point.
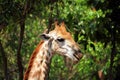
(4, 59)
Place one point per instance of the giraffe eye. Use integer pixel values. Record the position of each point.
(44, 36)
(61, 39)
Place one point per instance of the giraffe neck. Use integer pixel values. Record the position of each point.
(39, 63)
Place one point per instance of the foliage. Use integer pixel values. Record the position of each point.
(93, 25)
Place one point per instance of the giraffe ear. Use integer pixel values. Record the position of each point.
(62, 26)
(56, 25)
(44, 37)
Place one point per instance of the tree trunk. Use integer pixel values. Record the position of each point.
(19, 58)
(27, 8)
(113, 53)
(4, 59)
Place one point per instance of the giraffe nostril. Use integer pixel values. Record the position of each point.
(79, 51)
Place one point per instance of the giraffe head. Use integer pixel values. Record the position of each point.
(62, 42)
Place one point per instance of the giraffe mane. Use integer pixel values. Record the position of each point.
(32, 60)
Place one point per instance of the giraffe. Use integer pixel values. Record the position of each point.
(56, 41)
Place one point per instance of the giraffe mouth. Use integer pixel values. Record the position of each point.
(78, 56)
